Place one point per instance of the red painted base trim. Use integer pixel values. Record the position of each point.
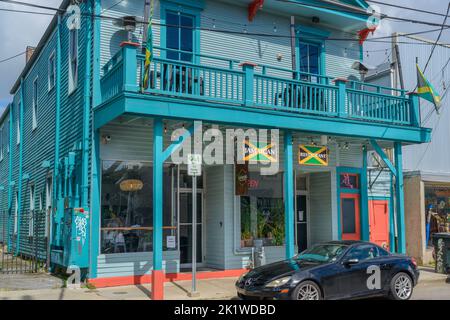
(158, 285)
(170, 277)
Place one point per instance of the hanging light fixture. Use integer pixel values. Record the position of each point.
(131, 185)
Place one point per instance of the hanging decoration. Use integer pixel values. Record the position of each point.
(363, 34)
(253, 8)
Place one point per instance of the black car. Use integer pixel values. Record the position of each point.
(333, 270)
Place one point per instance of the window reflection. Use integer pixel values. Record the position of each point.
(127, 207)
(262, 210)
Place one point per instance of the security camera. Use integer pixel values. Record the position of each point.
(106, 139)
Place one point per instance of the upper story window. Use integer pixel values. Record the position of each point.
(73, 59)
(180, 36)
(51, 71)
(1, 142)
(309, 61)
(5, 139)
(35, 102)
(18, 123)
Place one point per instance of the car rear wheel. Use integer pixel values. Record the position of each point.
(307, 290)
(401, 287)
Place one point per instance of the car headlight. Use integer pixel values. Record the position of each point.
(241, 278)
(278, 282)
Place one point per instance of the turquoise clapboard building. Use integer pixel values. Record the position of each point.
(95, 148)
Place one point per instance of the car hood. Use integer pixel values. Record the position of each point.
(280, 269)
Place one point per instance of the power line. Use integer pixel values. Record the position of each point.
(374, 40)
(13, 57)
(438, 38)
(382, 16)
(407, 8)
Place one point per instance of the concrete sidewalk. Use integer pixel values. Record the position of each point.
(431, 285)
(211, 289)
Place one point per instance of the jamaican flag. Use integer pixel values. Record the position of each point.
(426, 91)
(148, 50)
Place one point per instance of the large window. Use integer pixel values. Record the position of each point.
(51, 71)
(262, 209)
(35, 102)
(127, 208)
(180, 36)
(437, 213)
(309, 61)
(18, 122)
(73, 59)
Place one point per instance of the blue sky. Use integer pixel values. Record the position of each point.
(17, 30)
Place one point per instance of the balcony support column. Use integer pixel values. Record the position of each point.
(399, 193)
(289, 194)
(129, 56)
(158, 163)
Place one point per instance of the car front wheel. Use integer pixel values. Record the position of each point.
(307, 290)
(401, 287)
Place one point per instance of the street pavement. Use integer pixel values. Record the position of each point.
(431, 287)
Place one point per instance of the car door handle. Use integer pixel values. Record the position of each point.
(386, 266)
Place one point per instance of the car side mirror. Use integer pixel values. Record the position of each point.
(351, 262)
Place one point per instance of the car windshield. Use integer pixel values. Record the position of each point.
(322, 253)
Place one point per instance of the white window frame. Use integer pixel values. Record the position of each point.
(18, 122)
(35, 102)
(32, 207)
(16, 212)
(51, 70)
(48, 201)
(73, 72)
(1, 142)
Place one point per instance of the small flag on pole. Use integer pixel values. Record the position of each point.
(148, 50)
(426, 91)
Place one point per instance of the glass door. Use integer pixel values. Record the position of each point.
(186, 228)
(302, 222)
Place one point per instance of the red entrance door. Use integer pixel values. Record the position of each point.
(379, 222)
(350, 217)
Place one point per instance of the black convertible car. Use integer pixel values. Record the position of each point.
(333, 270)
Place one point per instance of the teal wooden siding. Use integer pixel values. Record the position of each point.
(339, 55)
(38, 144)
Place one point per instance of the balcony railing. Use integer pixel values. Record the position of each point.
(228, 82)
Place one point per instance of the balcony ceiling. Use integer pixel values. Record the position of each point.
(344, 16)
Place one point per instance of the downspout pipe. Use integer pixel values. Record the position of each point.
(86, 116)
(20, 178)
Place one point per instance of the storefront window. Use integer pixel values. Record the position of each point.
(262, 209)
(127, 208)
(437, 200)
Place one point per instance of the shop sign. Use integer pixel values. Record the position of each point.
(242, 179)
(264, 153)
(313, 155)
(194, 165)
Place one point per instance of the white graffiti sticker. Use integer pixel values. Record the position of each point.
(81, 227)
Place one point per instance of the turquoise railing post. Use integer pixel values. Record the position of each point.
(249, 77)
(342, 93)
(129, 56)
(414, 109)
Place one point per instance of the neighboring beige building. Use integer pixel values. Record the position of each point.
(422, 191)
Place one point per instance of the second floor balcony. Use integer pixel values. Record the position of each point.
(227, 83)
